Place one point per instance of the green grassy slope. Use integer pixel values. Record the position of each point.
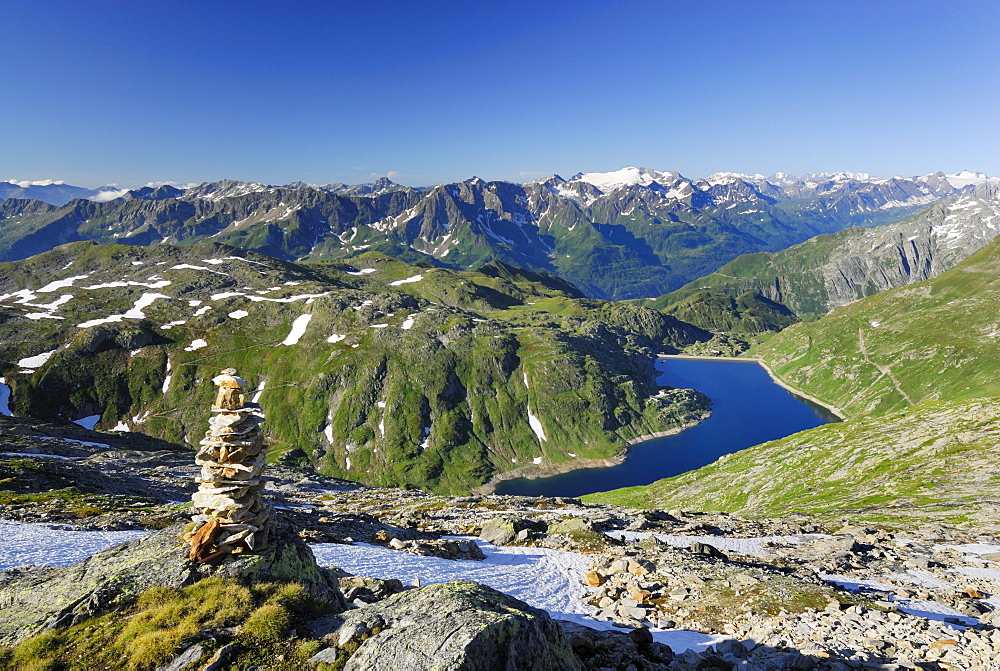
(935, 340)
(935, 463)
(403, 375)
(788, 276)
(747, 313)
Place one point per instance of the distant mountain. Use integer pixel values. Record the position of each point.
(630, 233)
(51, 192)
(373, 370)
(834, 269)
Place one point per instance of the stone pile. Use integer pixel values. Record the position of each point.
(231, 516)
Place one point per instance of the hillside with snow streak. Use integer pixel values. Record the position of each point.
(435, 361)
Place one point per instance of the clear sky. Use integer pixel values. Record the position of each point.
(433, 91)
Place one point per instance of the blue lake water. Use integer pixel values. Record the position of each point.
(748, 408)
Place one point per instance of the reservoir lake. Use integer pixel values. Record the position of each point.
(748, 408)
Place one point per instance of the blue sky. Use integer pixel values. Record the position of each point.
(437, 91)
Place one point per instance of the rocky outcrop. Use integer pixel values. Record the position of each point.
(34, 599)
(454, 625)
(828, 271)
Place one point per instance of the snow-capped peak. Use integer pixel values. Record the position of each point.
(730, 177)
(627, 176)
(227, 188)
(965, 178)
(838, 177)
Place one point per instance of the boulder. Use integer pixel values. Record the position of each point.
(454, 625)
(505, 530)
(498, 532)
(707, 550)
(34, 599)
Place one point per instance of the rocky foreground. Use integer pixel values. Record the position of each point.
(772, 590)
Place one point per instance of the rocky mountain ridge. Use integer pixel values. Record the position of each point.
(834, 269)
(630, 233)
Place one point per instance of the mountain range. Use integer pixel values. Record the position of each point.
(630, 233)
(834, 269)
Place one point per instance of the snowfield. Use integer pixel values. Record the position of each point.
(546, 579)
(408, 280)
(36, 361)
(54, 546)
(745, 546)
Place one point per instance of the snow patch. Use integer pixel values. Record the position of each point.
(298, 329)
(543, 578)
(261, 299)
(746, 546)
(136, 312)
(259, 391)
(158, 284)
(336, 337)
(238, 314)
(196, 344)
(536, 426)
(43, 545)
(61, 284)
(36, 361)
(408, 280)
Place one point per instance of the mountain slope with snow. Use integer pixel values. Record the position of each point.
(831, 270)
(438, 361)
(629, 233)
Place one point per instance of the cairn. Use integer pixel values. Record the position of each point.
(230, 515)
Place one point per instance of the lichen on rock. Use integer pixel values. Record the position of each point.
(453, 625)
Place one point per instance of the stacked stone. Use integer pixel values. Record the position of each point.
(231, 516)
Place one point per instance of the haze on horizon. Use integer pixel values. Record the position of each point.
(126, 94)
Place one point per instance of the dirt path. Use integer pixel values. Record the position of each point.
(885, 370)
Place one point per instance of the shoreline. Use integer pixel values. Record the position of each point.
(777, 380)
(784, 385)
(537, 471)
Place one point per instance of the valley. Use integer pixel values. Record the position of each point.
(402, 381)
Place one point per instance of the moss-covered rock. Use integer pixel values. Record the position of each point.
(35, 599)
